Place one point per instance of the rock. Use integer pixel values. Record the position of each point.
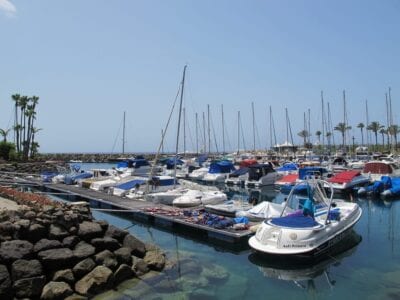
(36, 232)
(137, 247)
(215, 273)
(70, 241)
(22, 268)
(103, 224)
(139, 266)
(45, 244)
(54, 259)
(29, 287)
(64, 275)
(76, 297)
(123, 273)
(73, 230)
(155, 259)
(30, 215)
(83, 267)
(56, 232)
(107, 242)
(98, 280)
(16, 249)
(56, 290)
(89, 230)
(106, 258)
(5, 284)
(7, 228)
(123, 255)
(83, 250)
(116, 233)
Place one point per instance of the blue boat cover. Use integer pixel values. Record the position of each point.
(303, 172)
(288, 167)
(71, 179)
(387, 182)
(295, 221)
(130, 184)
(223, 166)
(170, 162)
(122, 164)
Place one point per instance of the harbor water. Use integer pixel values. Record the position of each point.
(368, 266)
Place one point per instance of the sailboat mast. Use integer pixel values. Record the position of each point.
(367, 119)
(309, 125)
(204, 132)
(254, 128)
(323, 121)
(162, 141)
(184, 131)
(123, 135)
(238, 143)
(209, 128)
(197, 134)
(344, 121)
(179, 123)
(223, 129)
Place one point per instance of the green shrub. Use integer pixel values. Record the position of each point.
(7, 151)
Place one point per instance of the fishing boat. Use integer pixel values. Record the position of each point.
(307, 226)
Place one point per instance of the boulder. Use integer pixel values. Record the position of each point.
(116, 233)
(138, 248)
(45, 244)
(155, 259)
(123, 255)
(56, 290)
(55, 259)
(16, 249)
(76, 297)
(64, 275)
(30, 215)
(83, 250)
(23, 268)
(106, 258)
(29, 287)
(105, 243)
(98, 280)
(5, 284)
(83, 267)
(103, 224)
(36, 232)
(57, 232)
(139, 266)
(123, 273)
(70, 241)
(89, 230)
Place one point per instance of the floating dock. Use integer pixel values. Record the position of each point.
(162, 216)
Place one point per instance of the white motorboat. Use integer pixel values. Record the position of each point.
(317, 224)
(261, 175)
(346, 180)
(198, 174)
(195, 198)
(262, 211)
(218, 171)
(376, 169)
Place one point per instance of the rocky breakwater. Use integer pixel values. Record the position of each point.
(58, 251)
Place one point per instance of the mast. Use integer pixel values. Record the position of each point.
(208, 124)
(204, 132)
(162, 141)
(123, 135)
(238, 143)
(309, 125)
(254, 128)
(179, 123)
(323, 121)
(197, 135)
(184, 131)
(344, 120)
(366, 113)
(223, 130)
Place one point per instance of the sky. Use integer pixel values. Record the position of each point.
(90, 61)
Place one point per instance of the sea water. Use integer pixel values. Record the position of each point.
(368, 269)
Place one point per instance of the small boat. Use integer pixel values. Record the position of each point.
(376, 169)
(262, 211)
(347, 180)
(238, 177)
(261, 175)
(392, 188)
(317, 224)
(219, 171)
(195, 198)
(288, 168)
(230, 207)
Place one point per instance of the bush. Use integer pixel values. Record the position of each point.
(7, 151)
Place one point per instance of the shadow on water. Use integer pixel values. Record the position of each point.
(303, 272)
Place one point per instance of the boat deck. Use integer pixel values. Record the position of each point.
(167, 217)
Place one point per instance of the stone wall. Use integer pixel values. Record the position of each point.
(52, 250)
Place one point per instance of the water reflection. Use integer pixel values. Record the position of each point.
(304, 273)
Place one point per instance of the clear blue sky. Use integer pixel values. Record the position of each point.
(89, 61)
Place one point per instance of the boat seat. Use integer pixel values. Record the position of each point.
(295, 221)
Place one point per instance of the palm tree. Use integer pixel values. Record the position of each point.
(393, 130)
(342, 128)
(361, 126)
(34, 144)
(318, 134)
(375, 127)
(4, 133)
(383, 131)
(16, 98)
(304, 134)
